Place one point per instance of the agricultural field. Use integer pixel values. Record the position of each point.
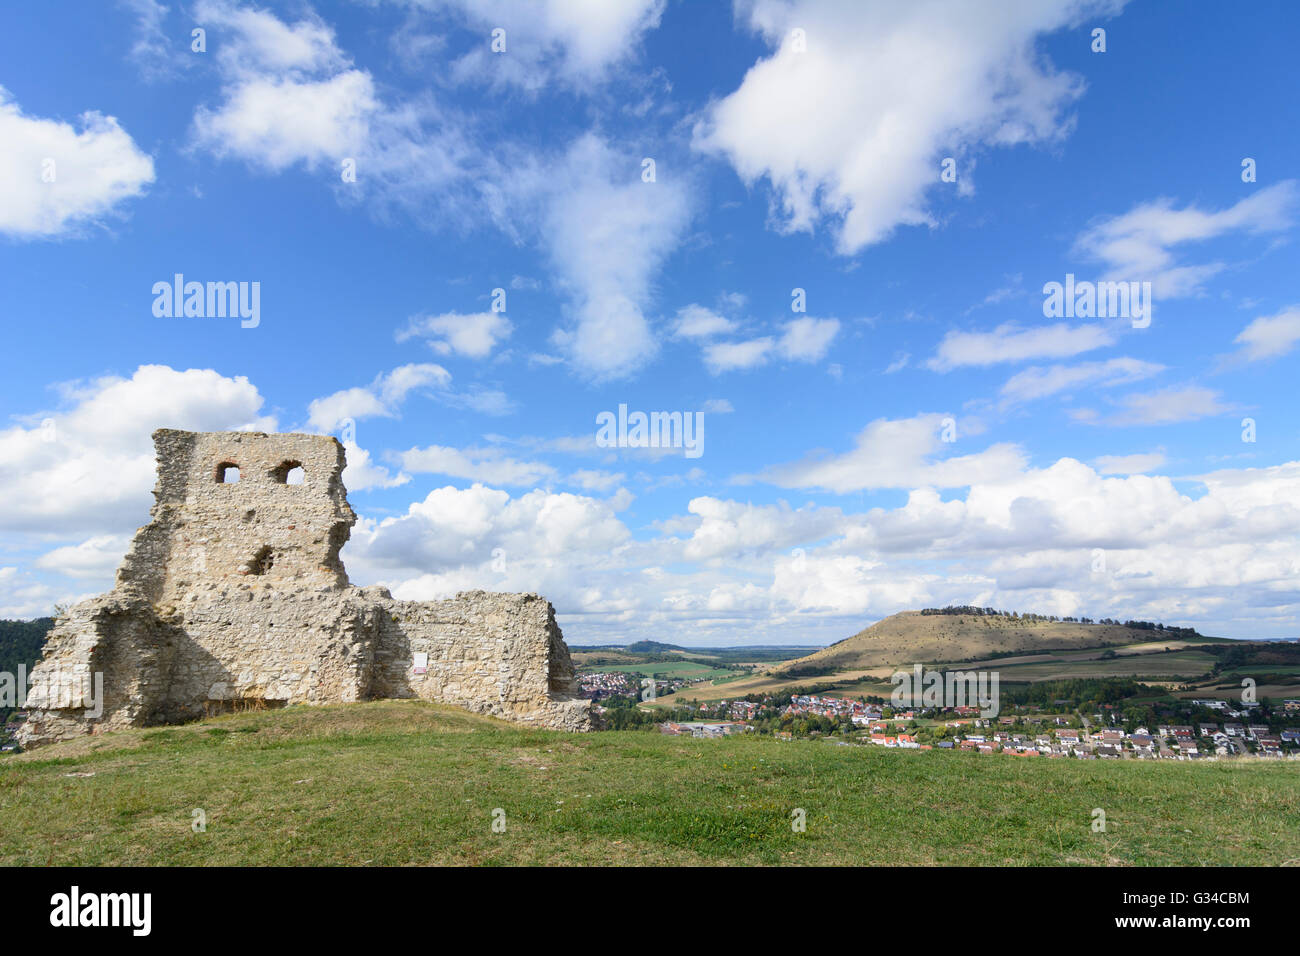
(686, 670)
(1175, 664)
(670, 662)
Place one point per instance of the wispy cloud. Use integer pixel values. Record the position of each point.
(1012, 343)
(1269, 336)
(1143, 244)
(1039, 382)
(1168, 406)
(901, 453)
(806, 339)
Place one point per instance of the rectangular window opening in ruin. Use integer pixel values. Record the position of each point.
(289, 473)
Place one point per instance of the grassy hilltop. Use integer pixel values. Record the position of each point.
(911, 636)
(1023, 649)
(407, 782)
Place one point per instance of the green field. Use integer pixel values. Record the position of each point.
(1149, 662)
(407, 782)
(687, 670)
(1172, 665)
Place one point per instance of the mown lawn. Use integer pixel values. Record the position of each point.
(414, 783)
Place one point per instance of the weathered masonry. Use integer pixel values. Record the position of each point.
(234, 595)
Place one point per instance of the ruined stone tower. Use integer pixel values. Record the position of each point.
(234, 594)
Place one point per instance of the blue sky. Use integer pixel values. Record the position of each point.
(1097, 466)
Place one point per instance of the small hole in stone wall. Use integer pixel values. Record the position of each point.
(289, 473)
(261, 562)
(227, 473)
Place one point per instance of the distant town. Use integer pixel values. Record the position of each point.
(1074, 727)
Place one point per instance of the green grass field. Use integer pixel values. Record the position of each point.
(1174, 664)
(400, 782)
(689, 670)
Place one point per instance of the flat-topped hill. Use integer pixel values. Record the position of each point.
(914, 637)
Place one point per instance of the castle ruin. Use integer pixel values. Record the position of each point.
(234, 596)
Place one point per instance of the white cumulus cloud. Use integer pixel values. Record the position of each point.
(474, 335)
(56, 178)
(850, 115)
(88, 466)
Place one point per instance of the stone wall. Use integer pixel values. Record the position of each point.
(234, 595)
(498, 654)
